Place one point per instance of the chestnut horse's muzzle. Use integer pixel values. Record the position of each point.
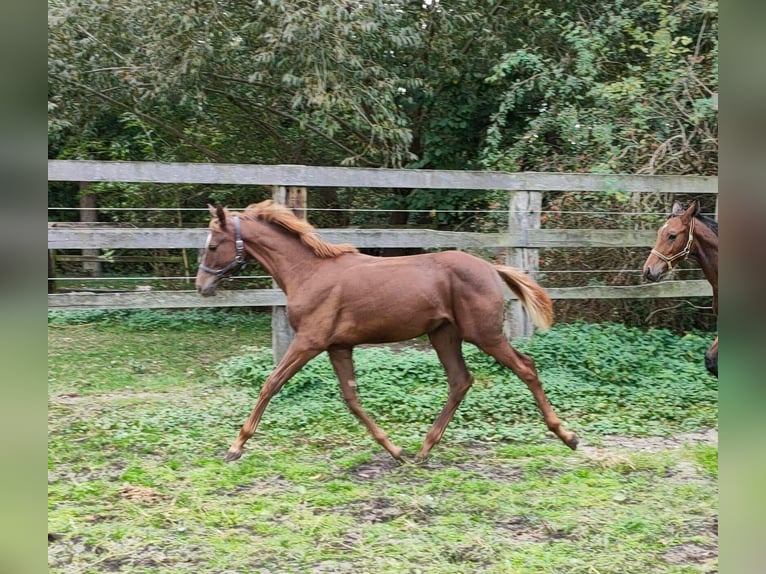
(208, 289)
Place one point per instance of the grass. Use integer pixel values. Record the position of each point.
(141, 408)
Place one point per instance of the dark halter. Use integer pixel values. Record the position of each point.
(239, 259)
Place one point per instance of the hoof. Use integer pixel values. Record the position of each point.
(401, 457)
(572, 441)
(232, 455)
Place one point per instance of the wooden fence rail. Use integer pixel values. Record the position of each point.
(104, 238)
(521, 241)
(275, 297)
(314, 176)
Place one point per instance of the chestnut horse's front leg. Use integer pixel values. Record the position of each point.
(297, 355)
(344, 369)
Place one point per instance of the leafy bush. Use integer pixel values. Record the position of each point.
(601, 379)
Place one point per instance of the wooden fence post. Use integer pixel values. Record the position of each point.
(89, 214)
(282, 333)
(523, 214)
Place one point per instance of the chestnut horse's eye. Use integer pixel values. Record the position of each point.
(212, 247)
(672, 236)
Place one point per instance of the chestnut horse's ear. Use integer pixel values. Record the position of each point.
(218, 213)
(677, 209)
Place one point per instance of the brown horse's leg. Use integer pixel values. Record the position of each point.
(447, 343)
(711, 358)
(524, 368)
(344, 369)
(296, 356)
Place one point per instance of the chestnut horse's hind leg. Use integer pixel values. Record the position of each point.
(447, 343)
(296, 356)
(524, 368)
(711, 358)
(342, 362)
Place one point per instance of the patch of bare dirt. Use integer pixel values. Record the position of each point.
(260, 487)
(73, 554)
(142, 494)
(381, 465)
(520, 529)
(377, 510)
(475, 462)
(615, 449)
(111, 472)
(656, 444)
(691, 553)
(75, 398)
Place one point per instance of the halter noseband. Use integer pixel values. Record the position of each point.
(239, 259)
(683, 253)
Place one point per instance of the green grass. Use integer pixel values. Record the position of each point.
(143, 405)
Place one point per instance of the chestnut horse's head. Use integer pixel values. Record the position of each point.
(674, 241)
(224, 252)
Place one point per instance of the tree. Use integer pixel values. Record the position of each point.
(552, 85)
(609, 87)
(380, 83)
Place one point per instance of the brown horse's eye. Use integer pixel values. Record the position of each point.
(672, 236)
(212, 247)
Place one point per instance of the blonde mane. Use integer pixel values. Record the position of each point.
(276, 213)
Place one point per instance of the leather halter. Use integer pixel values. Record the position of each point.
(683, 253)
(239, 259)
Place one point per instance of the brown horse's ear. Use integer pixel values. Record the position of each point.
(696, 205)
(690, 212)
(677, 209)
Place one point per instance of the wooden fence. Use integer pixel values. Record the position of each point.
(522, 239)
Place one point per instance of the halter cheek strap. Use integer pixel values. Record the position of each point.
(683, 253)
(239, 258)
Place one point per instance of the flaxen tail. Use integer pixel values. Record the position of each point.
(532, 296)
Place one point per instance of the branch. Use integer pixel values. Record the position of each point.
(207, 152)
(266, 126)
(470, 41)
(314, 129)
(359, 136)
(676, 306)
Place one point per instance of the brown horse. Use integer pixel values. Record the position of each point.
(688, 234)
(338, 298)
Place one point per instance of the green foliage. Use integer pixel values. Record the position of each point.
(602, 379)
(611, 87)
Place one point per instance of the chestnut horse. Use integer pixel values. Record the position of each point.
(688, 234)
(338, 298)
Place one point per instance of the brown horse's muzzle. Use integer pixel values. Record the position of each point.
(655, 272)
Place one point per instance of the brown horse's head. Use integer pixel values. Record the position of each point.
(223, 254)
(673, 243)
